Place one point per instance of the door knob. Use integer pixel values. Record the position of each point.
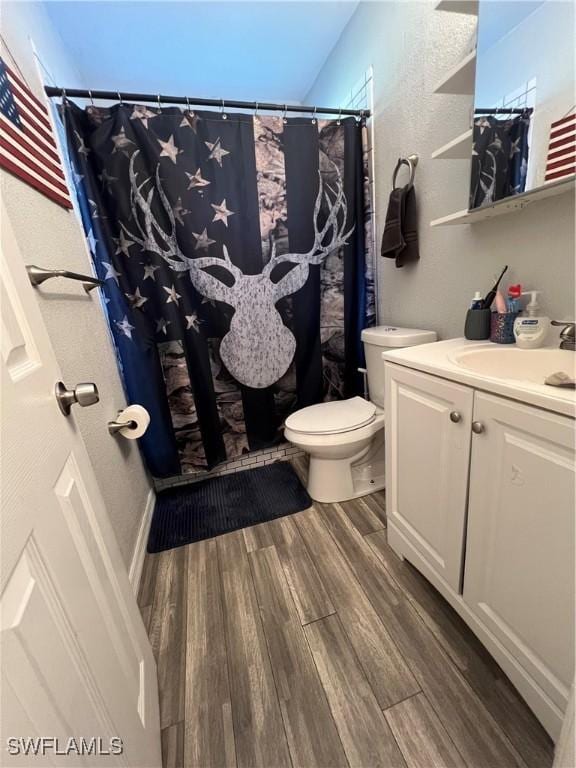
(477, 427)
(84, 394)
(455, 417)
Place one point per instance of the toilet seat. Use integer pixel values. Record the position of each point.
(332, 418)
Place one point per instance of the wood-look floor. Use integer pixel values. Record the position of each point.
(306, 642)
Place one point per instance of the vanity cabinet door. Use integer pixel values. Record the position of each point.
(427, 457)
(519, 574)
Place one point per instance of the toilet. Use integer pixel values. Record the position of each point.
(345, 438)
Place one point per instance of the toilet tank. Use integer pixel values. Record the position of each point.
(387, 337)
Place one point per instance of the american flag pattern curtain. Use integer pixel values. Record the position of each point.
(238, 265)
(499, 158)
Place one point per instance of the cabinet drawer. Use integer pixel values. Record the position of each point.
(519, 576)
(427, 457)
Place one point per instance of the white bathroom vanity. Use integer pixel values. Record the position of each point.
(480, 471)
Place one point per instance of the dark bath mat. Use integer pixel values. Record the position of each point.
(223, 504)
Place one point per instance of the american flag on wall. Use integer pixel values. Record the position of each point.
(561, 160)
(27, 146)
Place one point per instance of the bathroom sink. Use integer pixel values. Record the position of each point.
(533, 365)
(500, 369)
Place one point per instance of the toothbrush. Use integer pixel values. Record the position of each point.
(489, 298)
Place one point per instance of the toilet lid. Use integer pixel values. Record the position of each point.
(333, 417)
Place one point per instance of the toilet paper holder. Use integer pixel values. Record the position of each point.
(116, 426)
(130, 422)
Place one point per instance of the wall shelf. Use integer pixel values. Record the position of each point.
(469, 7)
(508, 205)
(460, 79)
(459, 148)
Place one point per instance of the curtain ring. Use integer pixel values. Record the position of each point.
(224, 115)
(314, 116)
(284, 118)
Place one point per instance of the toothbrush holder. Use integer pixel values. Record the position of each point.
(477, 326)
(502, 327)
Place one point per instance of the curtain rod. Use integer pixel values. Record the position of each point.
(160, 98)
(503, 111)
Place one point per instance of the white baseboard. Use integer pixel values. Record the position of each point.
(135, 571)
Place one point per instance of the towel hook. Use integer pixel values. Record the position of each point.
(411, 161)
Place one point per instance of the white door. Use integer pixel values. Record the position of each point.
(519, 575)
(427, 457)
(76, 661)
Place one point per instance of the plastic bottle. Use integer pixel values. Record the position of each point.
(513, 299)
(530, 331)
(477, 301)
(500, 303)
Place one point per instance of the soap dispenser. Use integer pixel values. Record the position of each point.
(531, 330)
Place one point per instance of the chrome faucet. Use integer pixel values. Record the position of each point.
(567, 334)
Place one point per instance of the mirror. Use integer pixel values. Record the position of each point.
(524, 108)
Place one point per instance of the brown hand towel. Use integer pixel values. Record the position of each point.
(400, 238)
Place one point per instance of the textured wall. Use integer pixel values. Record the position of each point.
(411, 47)
(51, 236)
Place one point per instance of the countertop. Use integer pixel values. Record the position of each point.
(438, 359)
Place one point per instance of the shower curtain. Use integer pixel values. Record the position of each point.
(499, 158)
(237, 257)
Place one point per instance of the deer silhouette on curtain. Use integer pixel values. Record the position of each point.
(238, 267)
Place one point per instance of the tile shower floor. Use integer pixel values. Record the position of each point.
(306, 642)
